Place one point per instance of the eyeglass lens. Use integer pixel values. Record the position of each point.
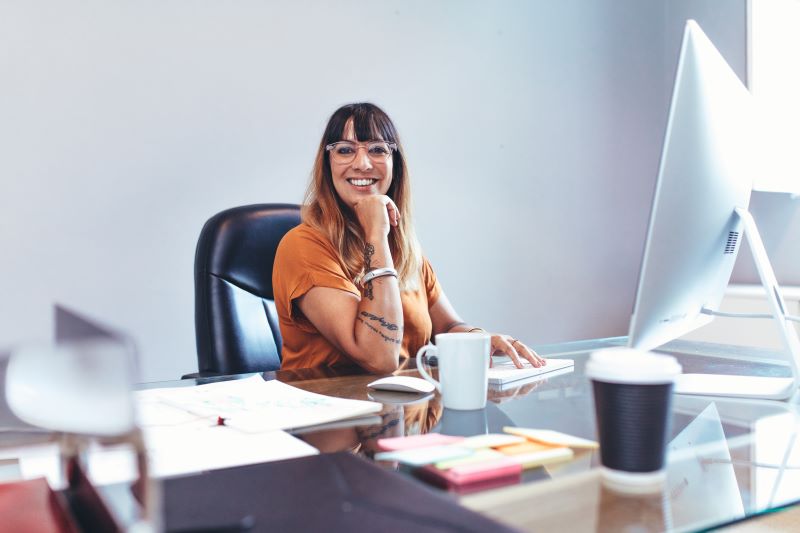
(346, 151)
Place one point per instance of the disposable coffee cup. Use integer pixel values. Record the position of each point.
(633, 405)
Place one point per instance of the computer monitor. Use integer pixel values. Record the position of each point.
(699, 214)
(705, 173)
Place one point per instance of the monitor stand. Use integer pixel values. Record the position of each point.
(760, 387)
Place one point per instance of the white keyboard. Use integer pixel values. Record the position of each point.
(503, 370)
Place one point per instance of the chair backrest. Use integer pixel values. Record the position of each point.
(236, 324)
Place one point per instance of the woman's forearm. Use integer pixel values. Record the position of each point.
(378, 328)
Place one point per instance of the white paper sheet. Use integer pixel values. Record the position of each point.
(194, 448)
(171, 451)
(251, 405)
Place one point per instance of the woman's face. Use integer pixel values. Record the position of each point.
(363, 176)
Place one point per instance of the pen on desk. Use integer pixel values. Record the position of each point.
(246, 523)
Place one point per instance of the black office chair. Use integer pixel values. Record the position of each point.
(236, 324)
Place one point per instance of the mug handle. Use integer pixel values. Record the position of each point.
(421, 365)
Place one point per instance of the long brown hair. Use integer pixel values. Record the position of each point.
(326, 212)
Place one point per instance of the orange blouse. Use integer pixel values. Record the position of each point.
(306, 259)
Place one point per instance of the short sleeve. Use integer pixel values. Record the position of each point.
(305, 260)
(430, 282)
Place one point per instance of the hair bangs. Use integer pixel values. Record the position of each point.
(369, 125)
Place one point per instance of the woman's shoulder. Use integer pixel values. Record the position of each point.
(304, 241)
(304, 235)
(426, 267)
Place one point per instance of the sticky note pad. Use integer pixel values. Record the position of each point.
(479, 456)
(491, 440)
(416, 441)
(481, 471)
(526, 447)
(469, 478)
(423, 456)
(542, 457)
(548, 436)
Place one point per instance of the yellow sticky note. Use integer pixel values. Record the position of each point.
(490, 440)
(478, 457)
(554, 438)
(525, 447)
(543, 457)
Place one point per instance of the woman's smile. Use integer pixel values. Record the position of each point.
(363, 184)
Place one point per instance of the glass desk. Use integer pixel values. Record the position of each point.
(728, 459)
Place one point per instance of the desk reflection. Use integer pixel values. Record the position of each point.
(403, 414)
(396, 420)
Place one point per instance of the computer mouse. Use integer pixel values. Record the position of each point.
(403, 384)
(393, 397)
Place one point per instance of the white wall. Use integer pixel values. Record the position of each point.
(774, 80)
(533, 131)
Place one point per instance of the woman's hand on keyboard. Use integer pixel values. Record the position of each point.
(516, 350)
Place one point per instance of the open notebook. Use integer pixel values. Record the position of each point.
(503, 370)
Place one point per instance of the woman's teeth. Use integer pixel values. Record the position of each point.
(362, 182)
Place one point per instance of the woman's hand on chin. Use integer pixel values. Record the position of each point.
(376, 214)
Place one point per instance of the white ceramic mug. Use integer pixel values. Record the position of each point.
(463, 364)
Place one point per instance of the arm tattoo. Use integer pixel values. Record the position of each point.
(373, 328)
(380, 430)
(384, 323)
(369, 251)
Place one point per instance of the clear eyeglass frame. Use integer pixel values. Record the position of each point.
(377, 151)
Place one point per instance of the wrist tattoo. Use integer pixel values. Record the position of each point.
(380, 319)
(369, 251)
(373, 328)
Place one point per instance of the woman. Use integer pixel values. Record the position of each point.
(350, 282)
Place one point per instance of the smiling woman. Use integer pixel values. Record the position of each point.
(350, 282)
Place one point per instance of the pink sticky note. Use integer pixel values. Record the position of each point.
(473, 473)
(424, 455)
(417, 441)
(478, 477)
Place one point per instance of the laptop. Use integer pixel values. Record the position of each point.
(70, 326)
(80, 384)
(332, 492)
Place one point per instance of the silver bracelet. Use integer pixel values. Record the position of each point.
(378, 272)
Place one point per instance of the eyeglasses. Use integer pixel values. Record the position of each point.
(345, 151)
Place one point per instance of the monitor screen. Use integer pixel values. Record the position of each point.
(704, 175)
